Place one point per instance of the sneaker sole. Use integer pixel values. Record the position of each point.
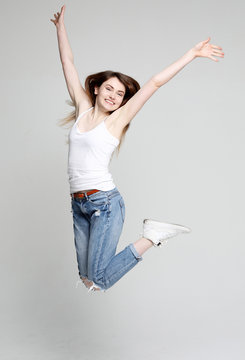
(162, 225)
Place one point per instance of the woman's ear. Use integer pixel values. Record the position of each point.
(96, 88)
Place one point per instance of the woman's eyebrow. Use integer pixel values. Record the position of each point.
(113, 88)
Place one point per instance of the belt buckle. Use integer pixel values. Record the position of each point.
(81, 194)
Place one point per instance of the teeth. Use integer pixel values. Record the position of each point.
(109, 102)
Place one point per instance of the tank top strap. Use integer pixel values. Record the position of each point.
(84, 112)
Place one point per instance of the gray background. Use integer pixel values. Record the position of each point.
(182, 162)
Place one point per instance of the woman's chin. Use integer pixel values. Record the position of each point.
(110, 108)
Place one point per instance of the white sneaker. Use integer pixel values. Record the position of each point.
(158, 232)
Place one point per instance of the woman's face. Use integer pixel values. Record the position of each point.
(110, 94)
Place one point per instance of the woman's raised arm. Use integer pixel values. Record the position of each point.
(75, 89)
(202, 49)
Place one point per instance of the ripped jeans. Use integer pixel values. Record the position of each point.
(97, 223)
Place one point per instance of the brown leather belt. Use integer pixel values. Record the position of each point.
(81, 194)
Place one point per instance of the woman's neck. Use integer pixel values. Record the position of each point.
(98, 114)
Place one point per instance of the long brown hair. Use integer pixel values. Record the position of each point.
(131, 86)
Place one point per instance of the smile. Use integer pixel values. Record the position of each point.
(110, 102)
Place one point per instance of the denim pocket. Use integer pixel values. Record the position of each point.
(122, 207)
(98, 199)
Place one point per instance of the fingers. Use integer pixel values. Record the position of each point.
(218, 53)
(216, 50)
(62, 10)
(56, 18)
(59, 16)
(216, 47)
(211, 57)
(206, 41)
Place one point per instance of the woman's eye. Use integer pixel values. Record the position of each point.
(108, 89)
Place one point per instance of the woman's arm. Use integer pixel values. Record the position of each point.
(202, 49)
(75, 89)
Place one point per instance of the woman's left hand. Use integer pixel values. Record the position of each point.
(203, 49)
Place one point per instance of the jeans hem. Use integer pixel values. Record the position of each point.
(135, 253)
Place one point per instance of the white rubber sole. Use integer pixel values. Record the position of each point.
(164, 226)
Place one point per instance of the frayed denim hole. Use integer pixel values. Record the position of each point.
(97, 213)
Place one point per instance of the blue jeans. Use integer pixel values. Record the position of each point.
(97, 222)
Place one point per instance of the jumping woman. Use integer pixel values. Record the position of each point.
(103, 111)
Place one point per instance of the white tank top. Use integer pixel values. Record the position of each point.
(89, 156)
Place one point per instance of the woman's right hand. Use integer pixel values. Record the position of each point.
(59, 17)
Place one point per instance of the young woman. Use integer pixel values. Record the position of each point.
(103, 112)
